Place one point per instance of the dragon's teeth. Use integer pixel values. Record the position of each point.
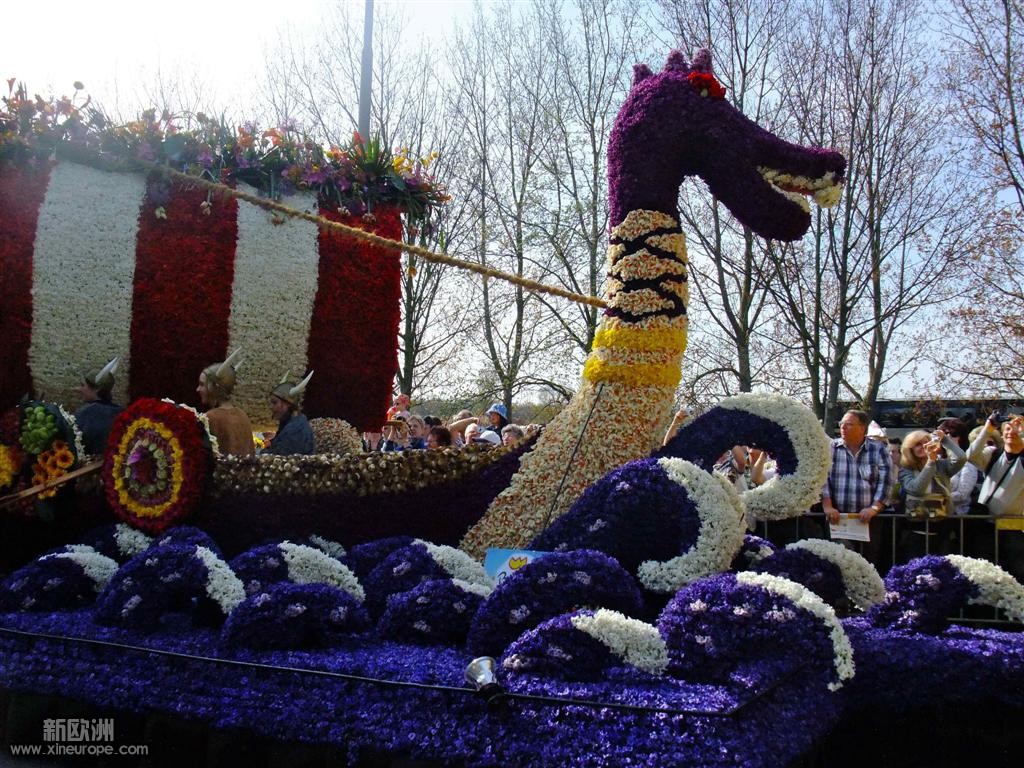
(798, 199)
(829, 196)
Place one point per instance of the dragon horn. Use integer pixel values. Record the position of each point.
(230, 362)
(299, 388)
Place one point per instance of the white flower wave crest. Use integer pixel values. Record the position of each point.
(130, 541)
(222, 585)
(632, 640)
(801, 597)
(720, 537)
(787, 495)
(98, 568)
(864, 587)
(996, 587)
(457, 563)
(309, 565)
(477, 589)
(332, 548)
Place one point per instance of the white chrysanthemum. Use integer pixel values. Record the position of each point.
(457, 563)
(130, 541)
(332, 548)
(634, 641)
(721, 532)
(864, 587)
(308, 565)
(787, 495)
(802, 597)
(996, 587)
(77, 438)
(222, 586)
(483, 590)
(98, 568)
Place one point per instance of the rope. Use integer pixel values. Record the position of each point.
(337, 226)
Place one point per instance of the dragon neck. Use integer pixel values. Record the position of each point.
(642, 335)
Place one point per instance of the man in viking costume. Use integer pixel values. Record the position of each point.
(97, 411)
(294, 435)
(228, 423)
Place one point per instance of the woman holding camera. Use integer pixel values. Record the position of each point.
(1002, 489)
(926, 486)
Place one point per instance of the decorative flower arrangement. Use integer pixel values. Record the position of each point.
(547, 587)
(433, 612)
(117, 541)
(862, 584)
(294, 616)
(787, 430)
(718, 623)
(753, 550)
(626, 392)
(281, 160)
(363, 558)
(166, 580)
(261, 567)
(922, 595)
(719, 537)
(413, 564)
(583, 644)
(818, 574)
(39, 442)
(186, 536)
(157, 464)
(58, 581)
(335, 436)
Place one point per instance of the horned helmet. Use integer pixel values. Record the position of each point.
(291, 392)
(221, 377)
(103, 382)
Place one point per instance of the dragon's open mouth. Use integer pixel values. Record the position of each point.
(825, 190)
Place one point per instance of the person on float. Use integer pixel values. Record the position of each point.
(228, 423)
(97, 412)
(497, 416)
(294, 434)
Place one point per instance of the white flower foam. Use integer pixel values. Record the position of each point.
(98, 568)
(634, 641)
(801, 597)
(863, 585)
(721, 532)
(457, 563)
(996, 587)
(130, 541)
(222, 585)
(309, 565)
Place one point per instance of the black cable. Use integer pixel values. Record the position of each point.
(575, 450)
(555, 700)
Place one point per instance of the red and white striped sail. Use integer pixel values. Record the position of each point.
(96, 264)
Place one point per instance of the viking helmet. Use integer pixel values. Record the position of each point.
(104, 380)
(220, 377)
(289, 392)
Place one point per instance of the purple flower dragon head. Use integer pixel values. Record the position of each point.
(677, 123)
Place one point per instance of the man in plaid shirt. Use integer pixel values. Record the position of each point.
(860, 479)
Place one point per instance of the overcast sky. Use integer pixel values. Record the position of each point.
(114, 46)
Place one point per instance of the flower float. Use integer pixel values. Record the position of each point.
(58, 581)
(583, 644)
(714, 625)
(157, 464)
(270, 564)
(176, 579)
(546, 587)
(294, 616)
(862, 585)
(921, 595)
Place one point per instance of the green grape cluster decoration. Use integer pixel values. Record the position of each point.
(38, 429)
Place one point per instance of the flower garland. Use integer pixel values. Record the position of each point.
(715, 624)
(294, 616)
(787, 430)
(58, 581)
(720, 534)
(155, 470)
(864, 587)
(437, 611)
(547, 587)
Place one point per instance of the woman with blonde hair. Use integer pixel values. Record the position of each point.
(925, 483)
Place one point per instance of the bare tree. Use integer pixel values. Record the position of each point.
(870, 266)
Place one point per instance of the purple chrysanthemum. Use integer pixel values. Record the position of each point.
(437, 611)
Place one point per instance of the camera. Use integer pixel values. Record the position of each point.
(997, 418)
